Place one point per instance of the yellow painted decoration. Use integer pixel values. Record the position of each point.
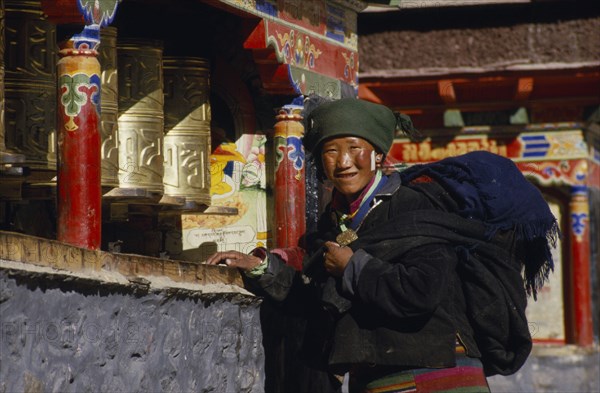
(70, 125)
(225, 153)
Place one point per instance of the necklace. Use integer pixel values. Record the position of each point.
(348, 235)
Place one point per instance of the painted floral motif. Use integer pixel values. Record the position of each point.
(247, 4)
(551, 171)
(280, 148)
(350, 65)
(73, 98)
(579, 223)
(298, 50)
(296, 154)
(565, 172)
(98, 12)
(253, 172)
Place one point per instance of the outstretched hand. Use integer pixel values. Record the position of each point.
(336, 258)
(234, 259)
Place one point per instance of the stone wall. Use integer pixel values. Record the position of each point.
(73, 334)
(479, 37)
(77, 320)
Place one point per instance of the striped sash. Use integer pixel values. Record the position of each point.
(466, 377)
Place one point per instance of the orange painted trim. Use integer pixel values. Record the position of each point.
(365, 93)
(549, 341)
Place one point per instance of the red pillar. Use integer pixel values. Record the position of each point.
(290, 195)
(580, 253)
(79, 189)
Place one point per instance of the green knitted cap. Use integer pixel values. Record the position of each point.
(351, 117)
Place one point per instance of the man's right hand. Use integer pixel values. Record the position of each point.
(234, 259)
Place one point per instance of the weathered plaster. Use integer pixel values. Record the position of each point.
(72, 334)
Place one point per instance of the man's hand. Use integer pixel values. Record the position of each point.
(336, 258)
(234, 259)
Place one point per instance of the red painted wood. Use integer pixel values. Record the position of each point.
(290, 195)
(62, 11)
(594, 174)
(257, 39)
(276, 46)
(297, 48)
(556, 95)
(582, 294)
(79, 173)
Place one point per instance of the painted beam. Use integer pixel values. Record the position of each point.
(314, 42)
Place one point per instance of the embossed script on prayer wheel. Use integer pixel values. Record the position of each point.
(109, 151)
(30, 83)
(187, 129)
(6, 155)
(141, 119)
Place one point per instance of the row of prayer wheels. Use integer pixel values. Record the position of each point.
(155, 110)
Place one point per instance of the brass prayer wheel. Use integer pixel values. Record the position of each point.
(30, 83)
(6, 155)
(109, 151)
(141, 119)
(187, 129)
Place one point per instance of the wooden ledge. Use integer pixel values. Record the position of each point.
(100, 265)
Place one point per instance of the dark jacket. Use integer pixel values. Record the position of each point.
(400, 301)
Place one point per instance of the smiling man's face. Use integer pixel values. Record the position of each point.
(348, 162)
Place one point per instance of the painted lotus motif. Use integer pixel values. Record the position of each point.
(298, 50)
(76, 91)
(98, 12)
